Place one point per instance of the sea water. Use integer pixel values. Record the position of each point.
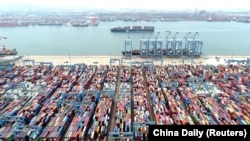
(219, 38)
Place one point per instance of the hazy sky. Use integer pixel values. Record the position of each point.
(234, 5)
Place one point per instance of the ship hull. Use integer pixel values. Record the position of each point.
(79, 25)
(133, 29)
(8, 54)
(117, 30)
(44, 24)
(12, 25)
(134, 52)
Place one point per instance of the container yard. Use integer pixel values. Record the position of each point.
(90, 102)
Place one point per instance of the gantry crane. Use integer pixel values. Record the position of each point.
(198, 43)
(193, 45)
(151, 46)
(177, 45)
(128, 47)
(158, 45)
(189, 45)
(169, 44)
(144, 51)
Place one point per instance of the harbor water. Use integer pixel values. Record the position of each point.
(220, 38)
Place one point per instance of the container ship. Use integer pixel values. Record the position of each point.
(133, 29)
(92, 21)
(79, 23)
(134, 52)
(218, 19)
(138, 52)
(4, 51)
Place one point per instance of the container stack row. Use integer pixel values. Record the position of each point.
(85, 79)
(123, 106)
(141, 104)
(67, 75)
(123, 112)
(161, 112)
(125, 74)
(58, 124)
(78, 128)
(200, 115)
(172, 77)
(91, 97)
(179, 114)
(6, 132)
(111, 79)
(83, 108)
(100, 121)
(27, 132)
(98, 80)
(48, 108)
(99, 127)
(50, 111)
(48, 116)
(29, 110)
(81, 76)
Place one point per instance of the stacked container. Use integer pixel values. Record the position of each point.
(141, 104)
(99, 127)
(161, 112)
(84, 80)
(125, 74)
(7, 131)
(84, 74)
(195, 108)
(27, 132)
(57, 126)
(29, 110)
(98, 79)
(91, 96)
(80, 122)
(111, 79)
(177, 109)
(12, 108)
(123, 110)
